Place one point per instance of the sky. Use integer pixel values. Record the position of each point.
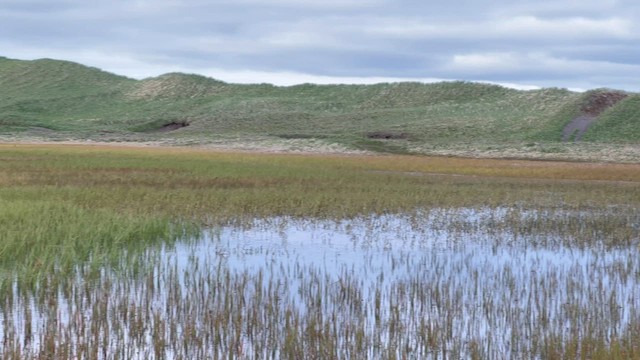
(575, 44)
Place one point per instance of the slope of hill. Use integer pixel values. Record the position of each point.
(60, 99)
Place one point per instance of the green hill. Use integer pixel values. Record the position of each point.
(60, 99)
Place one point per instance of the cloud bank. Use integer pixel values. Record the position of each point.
(566, 43)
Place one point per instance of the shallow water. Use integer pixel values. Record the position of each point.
(486, 292)
(442, 283)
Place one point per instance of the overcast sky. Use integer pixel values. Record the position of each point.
(579, 44)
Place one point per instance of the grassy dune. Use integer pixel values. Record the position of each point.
(49, 99)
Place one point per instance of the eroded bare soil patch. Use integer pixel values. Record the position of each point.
(596, 105)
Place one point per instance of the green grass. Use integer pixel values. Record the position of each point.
(41, 238)
(74, 101)
(619, 124)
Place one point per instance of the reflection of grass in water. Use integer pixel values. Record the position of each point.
(60, 206)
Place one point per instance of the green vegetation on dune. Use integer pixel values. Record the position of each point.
(74, 101)
(619, 124)
(56, 95)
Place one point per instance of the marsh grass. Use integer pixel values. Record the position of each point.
(65, 203)
(41, 238)
(67, 213)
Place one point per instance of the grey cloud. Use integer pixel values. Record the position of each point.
(584, 43)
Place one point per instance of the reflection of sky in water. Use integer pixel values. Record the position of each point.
(483, 284)
(488, 282)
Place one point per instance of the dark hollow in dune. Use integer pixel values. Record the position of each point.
(386, 135)
(172, 126)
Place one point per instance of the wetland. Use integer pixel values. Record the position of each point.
(173, 253)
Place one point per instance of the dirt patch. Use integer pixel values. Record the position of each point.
(601, 101)
(576, 128)
(596, 104)
(386, 135)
